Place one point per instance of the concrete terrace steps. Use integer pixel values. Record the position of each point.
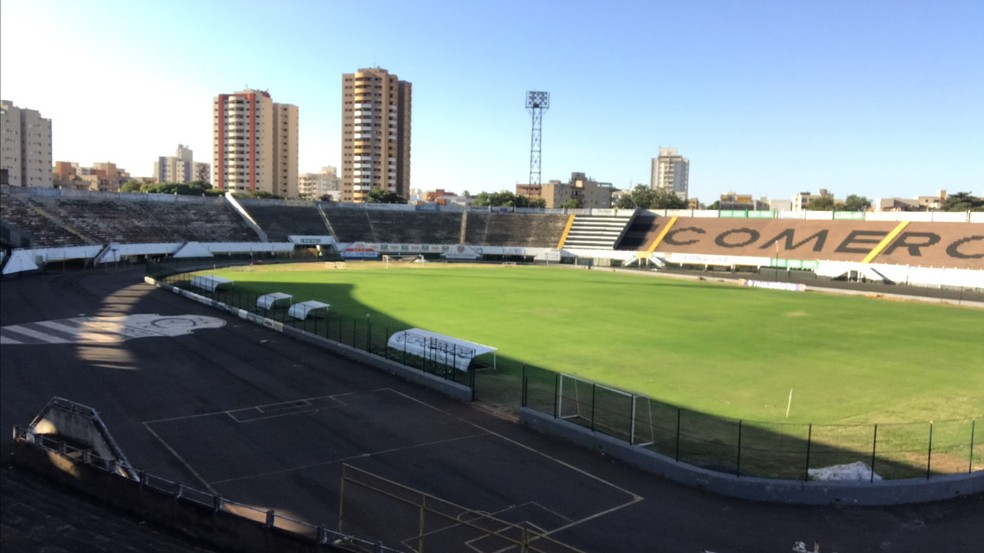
(597, 231)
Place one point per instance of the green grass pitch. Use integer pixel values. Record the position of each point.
(715, 348)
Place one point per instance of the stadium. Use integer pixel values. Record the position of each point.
(893, 273)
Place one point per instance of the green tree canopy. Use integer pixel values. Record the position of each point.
(377, 196)
(856, 203)
(823, 203)
(644, 197)
(962, 201)
(506, 198)
(196, 188)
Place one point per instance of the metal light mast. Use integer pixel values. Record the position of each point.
(537, 102)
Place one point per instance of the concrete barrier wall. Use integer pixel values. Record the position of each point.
(451, 389)
(203, 522)
(885, 492)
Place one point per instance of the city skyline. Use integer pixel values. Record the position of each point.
(880, 99)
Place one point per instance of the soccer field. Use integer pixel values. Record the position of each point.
(712, 347)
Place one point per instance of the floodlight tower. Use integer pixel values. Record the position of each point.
(537, 102)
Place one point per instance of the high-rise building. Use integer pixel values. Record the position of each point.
(255, 144)
(671, 171)
(376, 109)
(25, 147)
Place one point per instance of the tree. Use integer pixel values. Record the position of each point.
(377, 196)
(569, 203)
(823, 203)
(131, 186)
(326, 198)
(666, 199)
(856, 203)
(962, 201)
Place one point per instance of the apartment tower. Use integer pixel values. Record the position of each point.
(25, 147)
(671, 171)
(376, 109)
(255, 144)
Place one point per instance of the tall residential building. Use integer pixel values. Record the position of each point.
(376, 109)
(671, 171)
(180, 168)
(255, 144)
(25, 147)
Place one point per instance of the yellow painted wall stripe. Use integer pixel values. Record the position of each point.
(567, 229)
(662, 234)
(885, 242)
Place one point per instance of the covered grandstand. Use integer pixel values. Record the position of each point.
(41, 226)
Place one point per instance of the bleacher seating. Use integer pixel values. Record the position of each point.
(349, 224)
(532, 230)
(202, 220)
(640, 233)
(31, 227)
(280, 220)
(104, 220)
(413, 227)
(52, 221)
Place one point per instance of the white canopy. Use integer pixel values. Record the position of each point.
(440, 348)
(305, 309)
(268, 301)
(209, 282)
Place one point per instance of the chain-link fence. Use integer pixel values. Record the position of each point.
(749, 448)
(358, 333)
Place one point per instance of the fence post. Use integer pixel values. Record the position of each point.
(929, 453)
(420, 530)
(558, 389)
(874, 445)
(679, 410)
(970, 461)
(738, 460)
(632, 420)
(341, 500)
(522, 403)
(594, 390)
(809, 442)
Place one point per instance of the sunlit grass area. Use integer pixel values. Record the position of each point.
(711, 347)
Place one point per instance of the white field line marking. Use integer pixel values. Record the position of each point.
(35, 334)
(181, 459)
(635, 497)
(348, 458)
(228, 411)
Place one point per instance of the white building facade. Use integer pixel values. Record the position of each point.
(671, 171)
(25, 147)
(313, 186)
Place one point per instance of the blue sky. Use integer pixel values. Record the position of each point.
(878, 98)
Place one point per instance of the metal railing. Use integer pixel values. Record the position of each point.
(753, 448)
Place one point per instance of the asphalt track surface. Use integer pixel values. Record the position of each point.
(267, 421)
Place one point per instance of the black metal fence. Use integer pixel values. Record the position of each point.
(354, 332)
(749, 448)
